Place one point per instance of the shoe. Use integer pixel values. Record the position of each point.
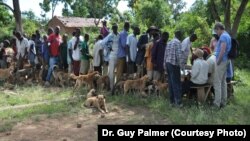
(47, 84)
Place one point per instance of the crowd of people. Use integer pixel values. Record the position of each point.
(120, 54)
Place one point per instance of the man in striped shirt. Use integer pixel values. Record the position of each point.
(172, 63)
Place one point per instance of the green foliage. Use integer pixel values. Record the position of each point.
(79, 8)
(29, 15)
(152, 13)
(30, 26)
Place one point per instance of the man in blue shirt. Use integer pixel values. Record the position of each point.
(121, 62)
(221, 53)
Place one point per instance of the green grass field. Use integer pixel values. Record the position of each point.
(236, 112)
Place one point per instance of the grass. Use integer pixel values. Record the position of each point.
(236, 112)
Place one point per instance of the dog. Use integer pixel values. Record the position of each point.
(60, 77)
(98, 102)
(84, 79)
(5, 74)
(160, 88)
(119, 86)
(91, 93)
(138, 84)
(103, 82)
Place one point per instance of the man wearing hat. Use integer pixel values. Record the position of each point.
(141, 45)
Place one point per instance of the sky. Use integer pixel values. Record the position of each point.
(26, 5)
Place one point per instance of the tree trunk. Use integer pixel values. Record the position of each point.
(227, 15)
(238, 17)
(215, 12)
(17, 15)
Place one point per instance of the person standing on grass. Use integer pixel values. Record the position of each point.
(148, 56)
(111, 43)
(131, 50)
(98, 54)
(172, 63)
(158, 56)
(75, 52)
(63, 53)
(69, 56)
(121, 62)
(85, 63)
(221, 52)
(22, 44)
(54, 41)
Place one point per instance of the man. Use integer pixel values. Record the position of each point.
(186, 47)
(121, 62)
(32, 52)
(148, 56)
(141, 45)
(158, 56)
(111, 43)
(98, 54)
(75, 52)
(172, 63)
(131, 50)
(69, 56)
(221, 53)
(21, 44)
(63, 53)
(3, 54)
(104, 30)
(85, 63)
(54, 41)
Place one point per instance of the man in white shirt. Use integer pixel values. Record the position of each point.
(21, 44)
(32, 50)
(111, 43)
(131, 50)
(186, 47)
(98, 54)
(75, 51)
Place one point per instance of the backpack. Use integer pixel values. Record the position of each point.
(234, 52)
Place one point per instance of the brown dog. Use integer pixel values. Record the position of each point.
(119, 86)
(138, 84)
(91, 93)
(5, 74)
(84, 79)
(103, 82)
(98, 102)
(160, 88)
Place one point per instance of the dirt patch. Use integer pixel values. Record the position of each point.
(78, 127)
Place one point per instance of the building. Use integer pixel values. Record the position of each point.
(69, 24)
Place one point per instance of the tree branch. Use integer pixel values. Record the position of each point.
(6, 5)
(238, 17)
(214, 11)
(227, 15)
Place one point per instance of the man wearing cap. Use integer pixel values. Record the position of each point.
(141, 45)
(221, 52)
(54, 41)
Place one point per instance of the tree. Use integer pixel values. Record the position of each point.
(17, 13)
(230, 25)
(176, 7)
(152, 13)
(29, 15)
(79, 8)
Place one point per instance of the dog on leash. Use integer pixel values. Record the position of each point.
(98, 102)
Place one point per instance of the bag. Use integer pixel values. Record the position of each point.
(233, 53)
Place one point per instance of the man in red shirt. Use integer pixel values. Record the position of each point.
(54, 41)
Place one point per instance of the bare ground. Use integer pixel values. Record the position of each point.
(64, 128)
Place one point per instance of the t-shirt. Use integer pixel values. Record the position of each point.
(225, 37)
(32, 47)
(76, 53)
(148, 56)
(55, 41)
(185, 49)
(132, 43)
(85, 51)
(97, 58)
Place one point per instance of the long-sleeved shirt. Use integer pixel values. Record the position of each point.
(173, 52)
(158, 55)
(110, 46)
(199, 73)
(122, 44)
